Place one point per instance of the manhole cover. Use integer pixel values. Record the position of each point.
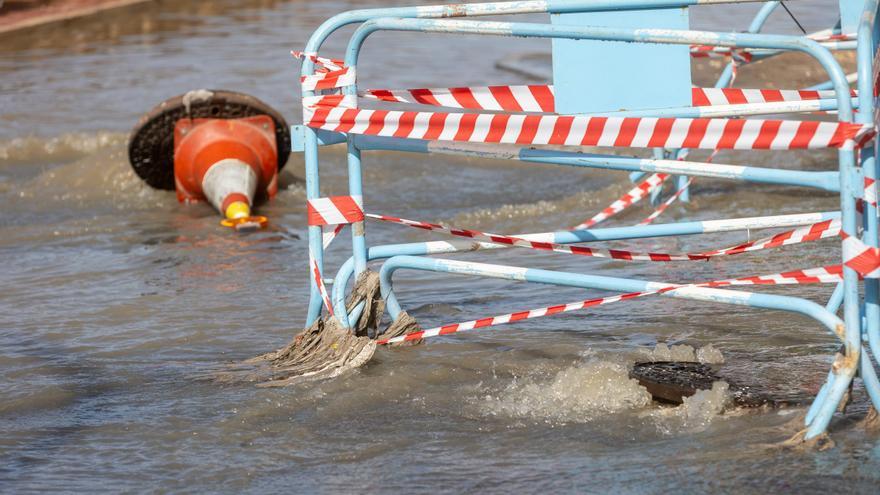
(151, 143)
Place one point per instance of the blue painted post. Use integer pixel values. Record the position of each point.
(865, 53)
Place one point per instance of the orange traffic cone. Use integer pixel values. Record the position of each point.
(226, 162)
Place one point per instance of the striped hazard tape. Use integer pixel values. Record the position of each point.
(815, 232)
(329, 80)
(539, 245)
(871, 191)
(862, 258)
(681, 190)
(821, 230)
(540, 98)
(630, 198)
(331, 214)
(828, 274)
(671, 199)
(326, 64)
(330, 73)
(335, 210)
(319, 282)
(338, 113)
(625, 132)
(636, 194)
(825, 37)
(328, 234)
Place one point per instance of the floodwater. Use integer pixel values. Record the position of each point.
(118, 304)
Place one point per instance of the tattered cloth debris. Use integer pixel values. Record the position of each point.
(326, 349)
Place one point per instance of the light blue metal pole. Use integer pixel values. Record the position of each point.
(615, 284)
(826, 181)
(865, 52)
(358, 239)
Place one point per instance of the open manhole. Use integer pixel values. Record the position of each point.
(672, 381)
(151, 143)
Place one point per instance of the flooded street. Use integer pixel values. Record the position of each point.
(119, 305)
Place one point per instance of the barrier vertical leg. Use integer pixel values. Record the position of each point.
(866, 53)
(316, 247)
(355, 188)
(844, 366)
(872, 286)
(660, 154)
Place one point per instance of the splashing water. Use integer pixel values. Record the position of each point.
(577, 394)
(709, 355)
(65, 147)
(663, 352)
(700, 409)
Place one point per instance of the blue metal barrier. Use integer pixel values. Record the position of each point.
(861, 310)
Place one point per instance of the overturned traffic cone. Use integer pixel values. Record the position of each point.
(217, 146)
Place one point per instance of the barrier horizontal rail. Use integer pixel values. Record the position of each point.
(829, 274)
(821, 230)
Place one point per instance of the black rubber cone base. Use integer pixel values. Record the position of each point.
(151, 143)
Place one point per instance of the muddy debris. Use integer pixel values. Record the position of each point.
(326, 349)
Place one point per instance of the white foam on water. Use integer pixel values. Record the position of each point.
(701, 408)
(65, 147)
(576, 394)
(103, 178)
(599, 387)
(695, 414)
(707, 354)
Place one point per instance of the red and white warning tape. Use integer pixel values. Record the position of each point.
(871, 191)
(338, 113)
(681, 190)
(331, 213)
(539, 245)
(821, 230)
(630, 132)
(319, 282)
(734, 96)
(335, 210)
(329, 80)
(328, 234)
(326, 64)
(864, 259)
(540, 98)
(712, 51)
(671, 199)
(825, 37)
(630, 198)
(636, 194)
(330, 74)
(828, 274)
(530, 98)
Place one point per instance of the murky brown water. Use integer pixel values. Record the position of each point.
(117, 303)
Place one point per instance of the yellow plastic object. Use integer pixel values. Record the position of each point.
(245, 223)
(238, 209)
